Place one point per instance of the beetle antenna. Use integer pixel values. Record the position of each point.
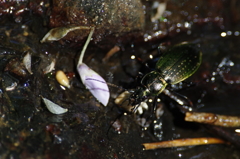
(153, 111)
(116, 86)
(159, 50)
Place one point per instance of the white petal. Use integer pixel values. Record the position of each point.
(27, 62)
(54, 108)
(12, 87)
(95, 83)
(50, 67)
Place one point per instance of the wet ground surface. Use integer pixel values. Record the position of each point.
(29, 130)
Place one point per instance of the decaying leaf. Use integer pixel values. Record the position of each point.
(56, 34)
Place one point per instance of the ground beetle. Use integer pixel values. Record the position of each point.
(174, 66)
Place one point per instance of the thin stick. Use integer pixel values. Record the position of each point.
(85, 46)
(213, 119)
(111, 52)
(183, 142)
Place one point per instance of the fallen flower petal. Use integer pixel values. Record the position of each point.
(183, 142)
(95, 83)
(54, 108)
(92, 80)
(27, 62)
(12, 87)
(50, 67)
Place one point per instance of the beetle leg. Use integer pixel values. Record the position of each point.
(154, 106)
(159, 49)
(153, 109)
(111, 125)
(184, 103)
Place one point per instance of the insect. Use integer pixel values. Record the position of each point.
(175, 65)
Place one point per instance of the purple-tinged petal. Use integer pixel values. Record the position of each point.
(95, 83)
(92, 80)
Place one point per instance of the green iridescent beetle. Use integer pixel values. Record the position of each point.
(175, 65)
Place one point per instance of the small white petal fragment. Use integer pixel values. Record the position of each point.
(27, 62)
(56, 34)
(50, 67)
(161, 7)
(62, 79)
(54, 108)
(12, 87)
(95, 83)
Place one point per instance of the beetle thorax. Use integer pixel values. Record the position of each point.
(154, 83)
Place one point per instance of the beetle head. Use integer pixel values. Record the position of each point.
(140, 95)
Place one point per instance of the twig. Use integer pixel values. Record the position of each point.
(213, 119)
(183, 142)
